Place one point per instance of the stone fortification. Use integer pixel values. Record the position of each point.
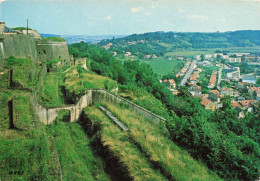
(47, 115)
(29, 46)
(48, 50)
(19, 46)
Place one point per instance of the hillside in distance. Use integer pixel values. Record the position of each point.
(160, 42)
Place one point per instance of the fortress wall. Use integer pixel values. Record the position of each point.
(1, 54)
(19, 46)
(48, 115)
(47, 51)
(99, 95)
(44, 52)
(61, 52)
(92, 96)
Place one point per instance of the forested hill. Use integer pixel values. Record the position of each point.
(160, 42)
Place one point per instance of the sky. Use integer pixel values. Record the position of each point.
(124, 17)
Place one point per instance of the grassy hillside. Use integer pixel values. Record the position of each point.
(145, 100)
(172, 161)
(131, 162)
(160, 43)
(51, 94)
(76, 157)
(24, 152)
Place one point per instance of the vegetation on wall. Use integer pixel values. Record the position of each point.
(21, 28)
(54, 38)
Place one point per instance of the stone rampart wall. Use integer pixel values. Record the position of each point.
(93, 96)
(47, 51)
(101, 95)
(19, 46)
(47, 115)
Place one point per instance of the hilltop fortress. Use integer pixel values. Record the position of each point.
(29, 44)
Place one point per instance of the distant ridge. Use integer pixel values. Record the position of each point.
(159, 43)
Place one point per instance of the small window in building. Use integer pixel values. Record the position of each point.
(44, 52)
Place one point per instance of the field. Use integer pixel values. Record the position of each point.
(191, 53)
(162, 66)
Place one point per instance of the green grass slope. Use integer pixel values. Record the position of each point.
(175, 162)
(134, 163)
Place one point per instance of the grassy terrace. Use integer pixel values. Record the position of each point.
(22, 110)
(132, 159)
(51, 94)
(161, 150)
(73, 147)
(78, 79)
(24, 152)
(24, 71)
(23, 117)
(145, 100)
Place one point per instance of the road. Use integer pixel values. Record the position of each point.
(188, 74)
(219, 77)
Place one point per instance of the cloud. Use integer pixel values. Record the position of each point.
(197, 17)
(134, 10)
(2, 1)
(108, 17)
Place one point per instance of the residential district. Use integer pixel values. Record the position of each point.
(213, 76)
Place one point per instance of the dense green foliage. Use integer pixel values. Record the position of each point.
(226, 144)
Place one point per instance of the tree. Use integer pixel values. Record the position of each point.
(202, 57)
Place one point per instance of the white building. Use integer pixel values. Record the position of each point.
(207, 56)
(232, 60)
(225, 56)
(249, 79)
(196, 57)
(234, 74)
